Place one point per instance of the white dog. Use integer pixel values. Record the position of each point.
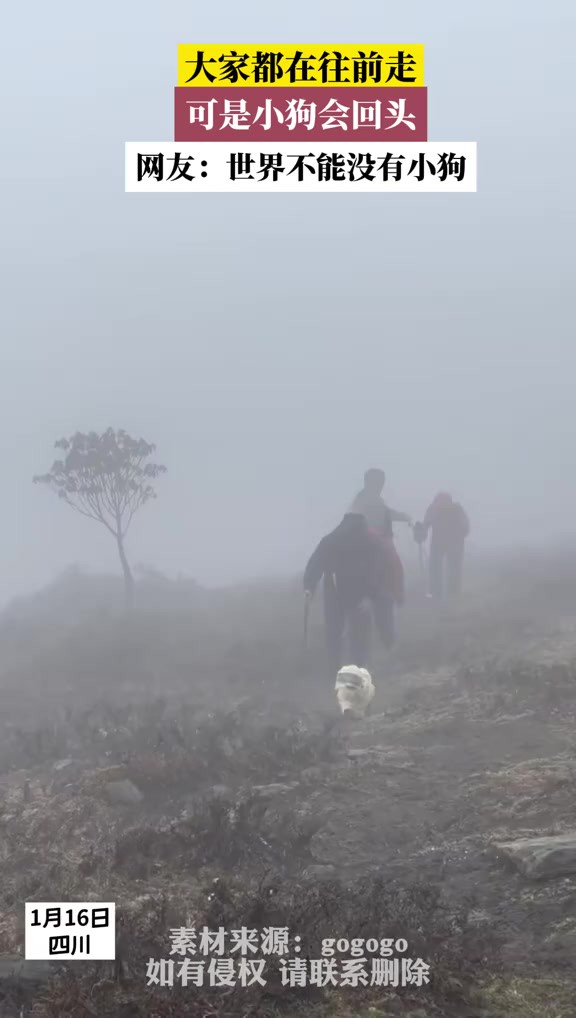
(354, 690)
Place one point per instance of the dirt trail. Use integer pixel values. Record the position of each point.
(307, 821)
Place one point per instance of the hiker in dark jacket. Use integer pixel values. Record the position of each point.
(356, 568)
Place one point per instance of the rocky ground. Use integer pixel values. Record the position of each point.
(200, 781)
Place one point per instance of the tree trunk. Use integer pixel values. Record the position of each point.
(128, 578)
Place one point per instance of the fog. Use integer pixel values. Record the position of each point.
(273, 348)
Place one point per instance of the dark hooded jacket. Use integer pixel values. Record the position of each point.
(355, 558)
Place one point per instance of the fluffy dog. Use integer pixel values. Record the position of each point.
(354, 691)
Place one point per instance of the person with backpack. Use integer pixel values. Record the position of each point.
(357, 571)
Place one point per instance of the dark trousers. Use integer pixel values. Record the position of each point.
(383, 615)
(355, 622)
(445, 570)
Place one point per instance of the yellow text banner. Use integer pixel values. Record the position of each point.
(282, 65)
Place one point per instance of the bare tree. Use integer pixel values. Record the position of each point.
(106, 478)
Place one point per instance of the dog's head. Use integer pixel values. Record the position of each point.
(353, 677)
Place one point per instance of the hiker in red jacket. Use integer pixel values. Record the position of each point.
(449, 526)
(380, 517)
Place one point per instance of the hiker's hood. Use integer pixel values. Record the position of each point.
(443, 499)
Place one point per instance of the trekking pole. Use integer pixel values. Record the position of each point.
(419, 535)
(425, 572)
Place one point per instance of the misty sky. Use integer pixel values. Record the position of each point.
(275, 346)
